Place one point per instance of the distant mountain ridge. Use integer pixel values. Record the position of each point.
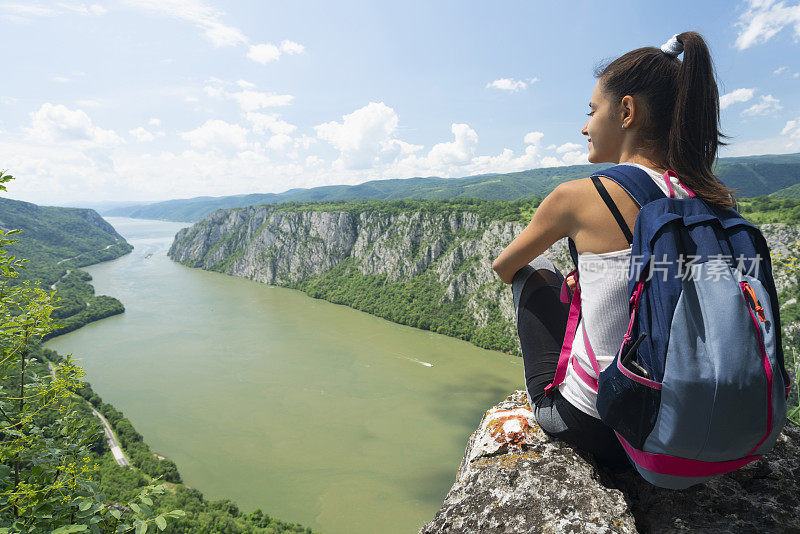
(749, 175)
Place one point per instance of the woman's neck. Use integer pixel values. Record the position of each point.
(642, 160)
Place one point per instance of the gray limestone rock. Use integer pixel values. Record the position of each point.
(515, 479)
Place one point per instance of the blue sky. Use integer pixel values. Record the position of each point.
(158, 99)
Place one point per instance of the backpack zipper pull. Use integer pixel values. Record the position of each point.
(752, 294)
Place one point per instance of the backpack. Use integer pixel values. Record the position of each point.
(698, 387)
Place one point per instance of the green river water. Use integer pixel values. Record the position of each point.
(312, 411)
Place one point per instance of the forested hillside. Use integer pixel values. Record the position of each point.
(750, 176)
(56, 468)
(56, 242)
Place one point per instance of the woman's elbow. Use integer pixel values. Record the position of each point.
(498, 268)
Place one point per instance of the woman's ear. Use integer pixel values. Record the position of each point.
(627, 111)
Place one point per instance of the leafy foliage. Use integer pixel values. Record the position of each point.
(46, 460)
(73, 483)
(767, 209)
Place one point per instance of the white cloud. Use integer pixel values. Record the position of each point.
(763, 19)
(362, 136)
(738, 95)
(213, 91)
(154, 122)
(533, 138)
(82, 9)
(196, 12)
(264, 53)
(780, 70)
(792, 129)
(253, 100)
(217, 134)
(23, 12)
(54, 123)
(61, 79)
(290, 47)
(263, 123)
(767, 104)
(142, 135)
(23, 9)
(244, 84)
(248, 99)
(785, 142)
(209, 21)
(267, 52)
(509, 84)
(568, 147)
(314, 161)
(575, 157)
(304, 141)
(460, 150)
(279, 142)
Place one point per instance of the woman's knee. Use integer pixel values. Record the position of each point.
(540, 272)
(543, 269)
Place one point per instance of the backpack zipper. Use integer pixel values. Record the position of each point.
(749, 292)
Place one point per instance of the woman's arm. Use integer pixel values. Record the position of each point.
(553, 219)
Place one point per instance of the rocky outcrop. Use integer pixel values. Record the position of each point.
(515, 479)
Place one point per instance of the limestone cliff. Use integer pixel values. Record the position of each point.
(451, 251)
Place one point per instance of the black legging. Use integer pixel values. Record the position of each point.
(541, 325)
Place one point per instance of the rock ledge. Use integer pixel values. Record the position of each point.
(514, 478)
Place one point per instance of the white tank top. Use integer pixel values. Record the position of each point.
(604, 309)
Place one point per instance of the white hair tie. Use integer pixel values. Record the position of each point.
(673, 47)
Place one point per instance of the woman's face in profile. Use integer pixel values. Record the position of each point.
(603, 129)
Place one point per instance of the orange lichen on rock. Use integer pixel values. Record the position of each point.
(510, 426)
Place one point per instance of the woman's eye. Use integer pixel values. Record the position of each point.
(589, 114)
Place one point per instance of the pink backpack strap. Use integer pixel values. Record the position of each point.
(590, 352)
(569, 335)
(667, 176)
(588, 379)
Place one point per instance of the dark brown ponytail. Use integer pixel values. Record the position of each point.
(681, 120)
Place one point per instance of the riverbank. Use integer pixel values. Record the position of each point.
(124, 459)
(262, 394)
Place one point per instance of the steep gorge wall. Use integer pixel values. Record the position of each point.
(452, 252)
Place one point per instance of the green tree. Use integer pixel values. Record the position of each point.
(46, 463)
(791, 263)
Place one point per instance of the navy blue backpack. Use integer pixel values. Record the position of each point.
(698, 387)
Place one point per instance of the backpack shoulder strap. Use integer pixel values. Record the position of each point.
(613, 207)
(636, 182)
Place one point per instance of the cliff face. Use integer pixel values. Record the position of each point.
(283, 248)
(453, 250)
